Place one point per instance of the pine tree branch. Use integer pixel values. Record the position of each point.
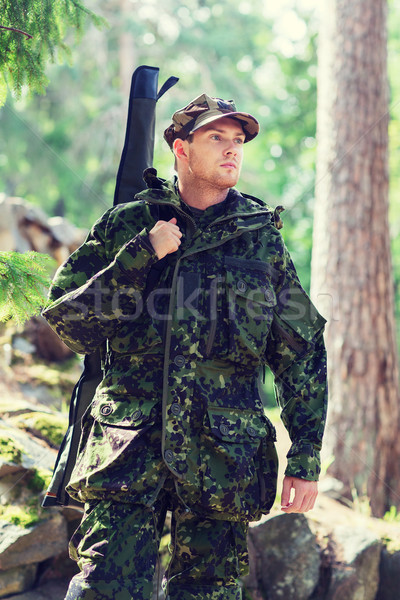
(16, 30)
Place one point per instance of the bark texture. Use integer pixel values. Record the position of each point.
(351, 268)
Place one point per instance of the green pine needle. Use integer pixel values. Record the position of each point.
(24, 281)
(32, 33)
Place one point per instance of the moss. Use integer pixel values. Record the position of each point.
(10, 451)
(392, 545)
(63, 376)
(47, 426)
(24, 516)
(39, 481)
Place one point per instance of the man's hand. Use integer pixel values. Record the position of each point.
(165, 237)
(305, 494)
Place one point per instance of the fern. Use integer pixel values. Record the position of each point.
(24, 281)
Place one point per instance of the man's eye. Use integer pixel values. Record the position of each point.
(239, 141)
(215, 137)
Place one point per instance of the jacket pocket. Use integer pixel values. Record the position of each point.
(251, 299)
(119, 448)
(231, 442)
(133, 413)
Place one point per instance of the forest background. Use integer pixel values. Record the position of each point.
(61, 150)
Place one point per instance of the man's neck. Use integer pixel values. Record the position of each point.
(200, 197)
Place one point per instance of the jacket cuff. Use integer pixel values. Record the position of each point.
(304, 461)
(136, 257)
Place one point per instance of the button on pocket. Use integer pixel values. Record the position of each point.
(241, 286)
(224, 429)
(106, 410)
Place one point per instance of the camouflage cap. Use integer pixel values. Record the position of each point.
(202, 111)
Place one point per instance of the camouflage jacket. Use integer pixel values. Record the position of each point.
(186, 338)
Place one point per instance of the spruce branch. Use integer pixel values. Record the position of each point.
(16, 31)
(24, 281)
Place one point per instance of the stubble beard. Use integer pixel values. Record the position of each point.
(204, 180)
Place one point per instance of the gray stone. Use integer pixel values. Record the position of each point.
(24, 546)
(389, 575)
(287, 559)
(51, 590)
(14, 581)
(355, 570)
(36, 453)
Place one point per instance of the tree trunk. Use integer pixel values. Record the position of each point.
(351, 268)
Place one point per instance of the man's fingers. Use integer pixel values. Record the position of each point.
(286, 488)
(165, 237)
(305, 494)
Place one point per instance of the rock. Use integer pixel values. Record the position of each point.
(389, 575)
(25, 546)
(355, 569)
(52, 590)
(33, 453)
(18, 580)
(287, 558)
(24, 227)
(22, 345)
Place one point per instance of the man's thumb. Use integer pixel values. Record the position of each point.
(173, 221)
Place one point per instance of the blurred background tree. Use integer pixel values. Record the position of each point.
(62, 150)
(351, 268)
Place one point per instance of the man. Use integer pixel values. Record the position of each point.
(192, 292)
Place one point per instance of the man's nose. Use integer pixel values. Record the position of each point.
(231, 148)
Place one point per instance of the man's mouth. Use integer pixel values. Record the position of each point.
(229, 165)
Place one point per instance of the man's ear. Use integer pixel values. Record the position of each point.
(179, 148)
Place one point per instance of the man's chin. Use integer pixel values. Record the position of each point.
(228, 180)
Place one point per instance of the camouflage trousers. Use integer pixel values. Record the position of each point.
(116, 548)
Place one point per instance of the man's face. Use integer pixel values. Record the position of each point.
(215, 154)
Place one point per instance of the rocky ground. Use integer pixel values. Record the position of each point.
(334, 552)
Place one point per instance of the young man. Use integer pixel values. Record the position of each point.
(191, 291)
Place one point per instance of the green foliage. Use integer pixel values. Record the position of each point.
(32, 32)
(392, 515)
(23, 283)
(249, 51)
(50, 427)
(38, 481)
(9, 450)
(24, 516)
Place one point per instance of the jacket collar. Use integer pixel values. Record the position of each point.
(161, 191)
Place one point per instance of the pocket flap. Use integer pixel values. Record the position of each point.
(300, 315)
(233, 425)
(132, 414)
(253, 285)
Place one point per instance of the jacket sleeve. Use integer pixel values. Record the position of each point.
(296, 356)
(93, 292)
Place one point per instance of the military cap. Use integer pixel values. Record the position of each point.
(204, 110)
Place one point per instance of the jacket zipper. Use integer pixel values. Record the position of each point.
(179, 210)
(213, 304)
